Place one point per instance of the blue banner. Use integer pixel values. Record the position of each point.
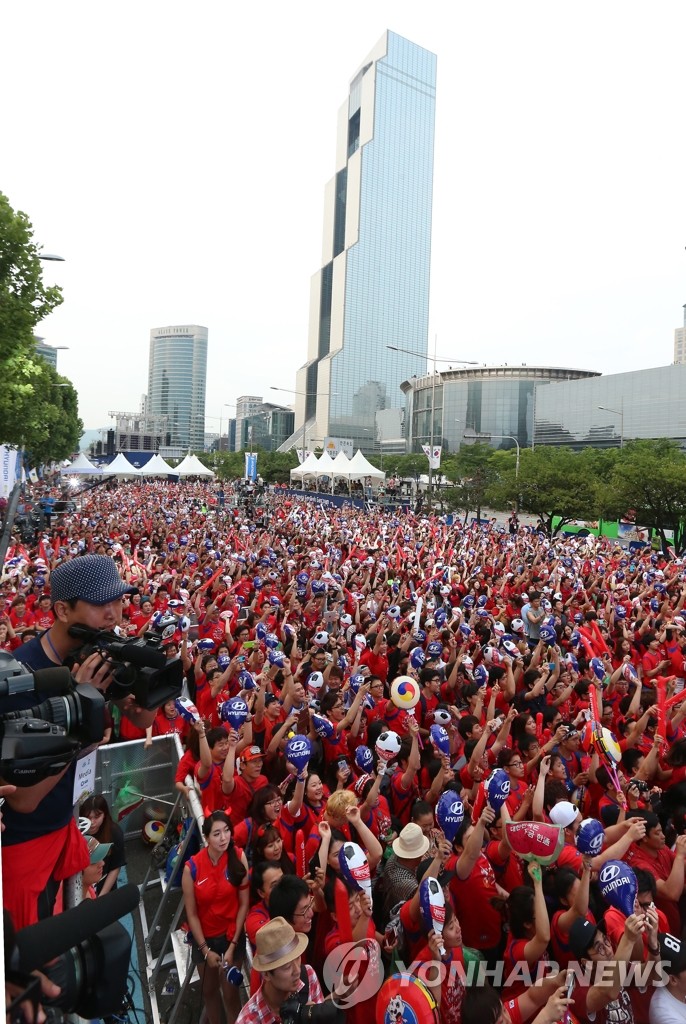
(251, 466)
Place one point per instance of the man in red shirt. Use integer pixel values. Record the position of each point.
(652, 854)
(239, 789)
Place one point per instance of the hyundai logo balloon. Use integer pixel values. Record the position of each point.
(618, 886)
(449, 814)
(298, 753)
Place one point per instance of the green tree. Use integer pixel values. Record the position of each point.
(38, 408)
(471, 472)
(553, 482)
(648, 484)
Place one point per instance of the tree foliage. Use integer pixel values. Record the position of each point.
(648, 485)
(472, 472)
(38, 408)
(553, 482)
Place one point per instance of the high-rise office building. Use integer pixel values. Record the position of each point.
(246, 406)
(177, 376)
(372, 290)
(680, 342)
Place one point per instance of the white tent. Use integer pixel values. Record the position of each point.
(120, 466)
(156, 466)
(341, 465)
(324, 465)
(359, 468)
(82, 466)
(310, 467)
(192, 466)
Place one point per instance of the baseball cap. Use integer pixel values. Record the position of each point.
(98, 851)
(269, 698)
(91, 578)
(582, 936)
(563, 813)
(444, 875)
(673, 953)
(251, 754)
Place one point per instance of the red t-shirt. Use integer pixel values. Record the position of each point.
(481, 923)
(660, 867)
(216, 898)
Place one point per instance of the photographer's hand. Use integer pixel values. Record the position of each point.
(95, 671)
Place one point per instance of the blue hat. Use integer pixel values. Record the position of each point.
(91, 578)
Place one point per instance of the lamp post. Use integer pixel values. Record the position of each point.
(510, 437)
(305, 394)
(432, 359)
(617, 412)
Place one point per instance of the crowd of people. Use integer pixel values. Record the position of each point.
(513, 640)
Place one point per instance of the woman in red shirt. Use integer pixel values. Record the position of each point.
(215, 894)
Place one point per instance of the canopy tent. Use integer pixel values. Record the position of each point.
(359, 468)
(156, 466)
(324, 465)
(341, 465)
(81, 466)
(120, 466)
(310, 467)
(192, 466)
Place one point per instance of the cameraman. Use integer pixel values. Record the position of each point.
(42, 844)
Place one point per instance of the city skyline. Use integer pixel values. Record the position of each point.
(558, 199)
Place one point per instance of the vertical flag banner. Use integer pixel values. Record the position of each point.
(8, 470)
(251, 465)
(433, 455)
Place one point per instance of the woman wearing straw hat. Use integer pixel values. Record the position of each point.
(278, 959)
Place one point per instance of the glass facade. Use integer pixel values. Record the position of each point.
(177, 376)
(641, 404)
(492, 404)
(373, 289)
(545, 405)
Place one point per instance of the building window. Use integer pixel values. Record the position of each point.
(354, 133)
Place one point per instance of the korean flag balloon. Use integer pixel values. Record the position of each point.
(323, 727)
(298, 752)
(449, 814)
(187, 709)
(355, 867)
(364, 759)
(618, 886)
(432, 906)
(590, 837)
(234, 711)
(440, 739)
(497, 789)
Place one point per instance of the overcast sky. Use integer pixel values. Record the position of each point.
(176, 155)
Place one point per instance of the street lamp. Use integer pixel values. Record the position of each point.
(617, 412)
(305, 394)
(508, 437)
(433, 359)
(51, 257)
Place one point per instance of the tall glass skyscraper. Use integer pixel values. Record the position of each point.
(177, 376)
(373, 287)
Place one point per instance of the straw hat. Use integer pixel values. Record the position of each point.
(277, 944)
(411, 844)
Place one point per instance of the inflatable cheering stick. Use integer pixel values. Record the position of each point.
(590, 837)
(618, 886)
(187, 709)
(364, 759)
(234, 711)
(440, 740)
(449, 814)
(432, 906)
(298, 753)
(355, 867)
(387, 747)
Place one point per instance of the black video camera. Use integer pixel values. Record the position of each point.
(88, 951)
(139, 665)
(43, 740)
